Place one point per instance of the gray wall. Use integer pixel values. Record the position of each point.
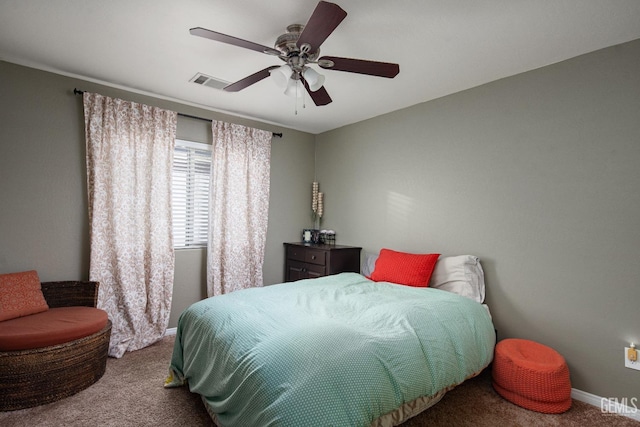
(43, 195)
(539, 176)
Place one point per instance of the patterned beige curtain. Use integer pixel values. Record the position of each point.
(239, 207)
(129, 161)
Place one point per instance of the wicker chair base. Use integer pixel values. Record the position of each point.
(35, 377)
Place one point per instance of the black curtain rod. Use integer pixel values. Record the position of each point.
(80, 92)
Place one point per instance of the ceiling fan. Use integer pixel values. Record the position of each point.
(299, 47)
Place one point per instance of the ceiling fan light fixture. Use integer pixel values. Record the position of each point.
(281, 75)
(313, 78)
(294, 88)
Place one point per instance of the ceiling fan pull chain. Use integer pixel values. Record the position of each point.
(304, 99)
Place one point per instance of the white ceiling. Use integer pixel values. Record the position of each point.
(442, 46)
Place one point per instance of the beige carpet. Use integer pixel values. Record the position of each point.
(131, 394)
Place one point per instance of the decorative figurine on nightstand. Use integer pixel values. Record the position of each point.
(315, 235)
(317, 204)
(312, 235)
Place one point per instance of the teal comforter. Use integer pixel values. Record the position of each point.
(334, 351)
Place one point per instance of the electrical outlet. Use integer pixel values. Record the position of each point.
(628, 363)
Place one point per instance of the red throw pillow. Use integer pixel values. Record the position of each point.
(404, 268)
(21, 295)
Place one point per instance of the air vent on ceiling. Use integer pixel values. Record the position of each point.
(212, 82)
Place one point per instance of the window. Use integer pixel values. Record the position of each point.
(190, 193)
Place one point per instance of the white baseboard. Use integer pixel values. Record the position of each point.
(632, 412)
(170, 331)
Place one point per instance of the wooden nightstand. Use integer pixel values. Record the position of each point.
(308, 260)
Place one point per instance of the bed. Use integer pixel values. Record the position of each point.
(341, 350)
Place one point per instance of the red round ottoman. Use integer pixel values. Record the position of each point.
(532, 376)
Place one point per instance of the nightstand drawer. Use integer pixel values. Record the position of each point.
(315, 256)
(296, 252)
(306, 270)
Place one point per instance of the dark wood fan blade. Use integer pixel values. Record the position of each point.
(324, 19)
(320, 96)
(224, 38)
(372, 68)
(249, 80)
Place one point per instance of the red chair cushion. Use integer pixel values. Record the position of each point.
(532, 376)
(51, 327)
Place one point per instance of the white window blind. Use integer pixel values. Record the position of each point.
(190, 193)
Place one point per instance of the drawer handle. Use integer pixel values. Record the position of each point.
(313, 257)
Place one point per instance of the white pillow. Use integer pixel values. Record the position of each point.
(369, 264)
(461, 274)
